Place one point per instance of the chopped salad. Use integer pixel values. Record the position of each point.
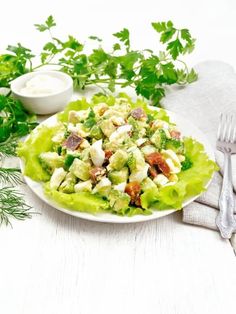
(115, 155)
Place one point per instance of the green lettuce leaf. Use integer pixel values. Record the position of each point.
(82, 201)
(40, 140)
(101, 98)
(80, 104)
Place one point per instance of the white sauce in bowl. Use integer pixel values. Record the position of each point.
(42, 85)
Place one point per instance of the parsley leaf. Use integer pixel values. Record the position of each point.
(95, 38)
(49, 23)
(123, 36)
(90, 121)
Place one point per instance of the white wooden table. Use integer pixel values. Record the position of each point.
(57, 264)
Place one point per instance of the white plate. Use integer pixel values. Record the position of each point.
(184, 126)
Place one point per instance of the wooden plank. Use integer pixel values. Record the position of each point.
(55, 263)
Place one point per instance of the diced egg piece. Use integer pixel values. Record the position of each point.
(141, 141)
(85, 186)
(120, 132)
(100, 108)
(173, 168)
(84, 144)
(57, 177)
(160, 124)
(78, 129)
(58, 137)
(72, 128)
(82, 114)
(117, 120)
(104, 182)
(140, 174)
(120, 187)
(131, 149)
(75, 116)
(97, 154)
(148, 149)
(172, 160)
(160, 180)
(171, 154)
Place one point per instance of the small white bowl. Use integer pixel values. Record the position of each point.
(45, 104)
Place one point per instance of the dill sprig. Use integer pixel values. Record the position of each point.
(10, 176)
(8, 148)
(12, 205)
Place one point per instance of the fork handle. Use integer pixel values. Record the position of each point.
(225, 220)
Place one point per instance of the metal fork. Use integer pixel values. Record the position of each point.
(226, 143)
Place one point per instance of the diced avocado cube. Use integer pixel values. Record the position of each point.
(96, 132)
(147, 184)
(85, 186)
(80, 169)
(68, 184)
(120, 176)
(85, 154)
(139, 158)
(135, 127)
(103, 187)
(107, 127)
(118, 160)
(131, 162)
(51, 161)
(119, 201)
(159, 138)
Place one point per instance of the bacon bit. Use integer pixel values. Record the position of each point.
(73, 142)
(133, 189)
(108, 154)
(138, 113)
(96, 173)
(153, 172)
(156, 159)
(175, 134)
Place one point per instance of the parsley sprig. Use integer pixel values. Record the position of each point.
(15, 122)
(145, 70)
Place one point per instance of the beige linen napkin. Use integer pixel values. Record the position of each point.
(202, 102)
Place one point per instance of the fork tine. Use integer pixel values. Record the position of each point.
(233, 131)
(219, 133)
(224, 127)
(228, 127)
